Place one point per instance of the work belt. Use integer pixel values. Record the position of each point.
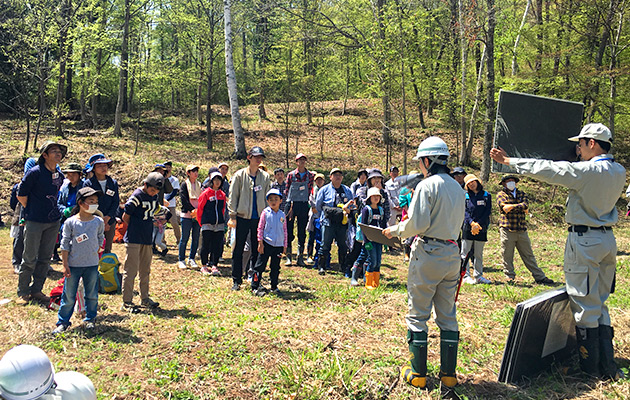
(584, 228)
(428, 239)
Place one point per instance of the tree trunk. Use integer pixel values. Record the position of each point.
(86, 78)
(239, 137)
(464, 60)
(347, 87)
(63, 33)
(122, 81)
(202, 76)
(467, 151)
(69, 73)
(518, 38)
(490, 106)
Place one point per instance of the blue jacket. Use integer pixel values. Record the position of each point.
(68, 196)
(478, 208)
(328, 199)
(109, 202)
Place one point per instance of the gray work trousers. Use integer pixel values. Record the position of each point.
(477, 253)
(39, 243)
(520, 241)
(590, 259)
(432, 281)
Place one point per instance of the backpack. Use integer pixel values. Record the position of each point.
(359, 234)
(55, 295)
(108, 276)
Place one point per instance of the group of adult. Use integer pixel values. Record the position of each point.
(434, 214)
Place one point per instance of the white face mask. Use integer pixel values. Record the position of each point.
(511, 185)
(92, 208)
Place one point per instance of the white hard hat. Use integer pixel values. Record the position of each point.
(72, 385)
(25, 373)
(373, 191)
(432, 147)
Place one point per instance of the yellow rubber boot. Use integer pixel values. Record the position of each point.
(369, 280)
(415, 372)
(376, 280)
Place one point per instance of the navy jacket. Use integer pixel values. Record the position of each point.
(109, 202)
(478, 209)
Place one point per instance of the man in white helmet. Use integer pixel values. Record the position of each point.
(436, 214)
(594, 184)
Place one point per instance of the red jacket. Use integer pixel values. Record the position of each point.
(211, 208)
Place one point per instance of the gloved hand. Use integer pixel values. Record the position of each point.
(67, 211)
(475, 228)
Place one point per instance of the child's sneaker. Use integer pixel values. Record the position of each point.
(150, 303)
(192, 264)
(181, 265)
(215, 271)
(276, 292)
(163, 252)
(470, 280)
(260, 291)
(129, 306)
(205, 270)
(310, 261)
(60, 329)
(89, 326)
(485, 281)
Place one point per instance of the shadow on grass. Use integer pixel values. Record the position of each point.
(296, 291)
(170, 314)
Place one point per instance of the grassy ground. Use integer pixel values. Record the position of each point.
(322, 339)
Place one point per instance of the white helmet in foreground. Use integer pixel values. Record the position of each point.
(71, 385)
(433, 147)
(25, 373)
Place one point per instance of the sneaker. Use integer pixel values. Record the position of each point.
(310, 261)
(300, 262)
(545, 281)
(322, 271)
(470, 280)
(129, 306)
(181, 265)
(276, 292)
(205, 270)
(155, 250)
(192, 264)
(149, 303)
(221, 260)
(287, 262)
(23, 300)
(215, 271)
(60, 329)
(89, 326)
(354, 282)
(41, 297)
(483, 280)
(236, 287)
(16, 269)
(163, 252)
(260, 291)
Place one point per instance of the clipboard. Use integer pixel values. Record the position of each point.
(375, 234)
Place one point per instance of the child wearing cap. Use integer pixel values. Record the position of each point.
(211, 217)
(109, 202)
(279, 184)
(138, 216)
(189, 196)
(82, 237)
(313, 228)
(373, 215)
(272, 242)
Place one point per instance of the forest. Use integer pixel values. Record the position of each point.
(104, 62)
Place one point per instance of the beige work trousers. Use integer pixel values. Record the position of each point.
(138, 262)
(432, 281)
(590, 260)
(175, 224)
(520, 241)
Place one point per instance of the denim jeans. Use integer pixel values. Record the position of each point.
(188, 225)
(332, 232)
(39, 243)
(374, 256)
(69, 295)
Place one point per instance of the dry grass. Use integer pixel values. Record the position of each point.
(322, 339)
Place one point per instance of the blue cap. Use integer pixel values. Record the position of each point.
(159, 166)
(273, 191)
(30, 163)
(98, 158)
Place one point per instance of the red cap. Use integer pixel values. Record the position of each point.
(300, 156)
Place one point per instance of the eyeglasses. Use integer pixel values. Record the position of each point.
(54, 151)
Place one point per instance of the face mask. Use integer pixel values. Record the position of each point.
(92, 208)
(511, 185)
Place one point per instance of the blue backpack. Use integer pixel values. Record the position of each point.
(359, 234)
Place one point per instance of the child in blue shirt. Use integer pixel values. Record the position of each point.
(82, 237)
(272, 243)
(374, 215)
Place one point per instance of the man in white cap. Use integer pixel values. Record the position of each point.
(594, 184)
(436, 214)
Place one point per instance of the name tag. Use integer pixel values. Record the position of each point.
(110, 192)
(302, 187)
(213, 198)
(257, 188)
(481, 202)
(282, 220)
(55, 175)
(81, 238)
(376, 217)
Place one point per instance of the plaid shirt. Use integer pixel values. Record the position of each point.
(281, 187)
(514, 220)
(294, 176)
